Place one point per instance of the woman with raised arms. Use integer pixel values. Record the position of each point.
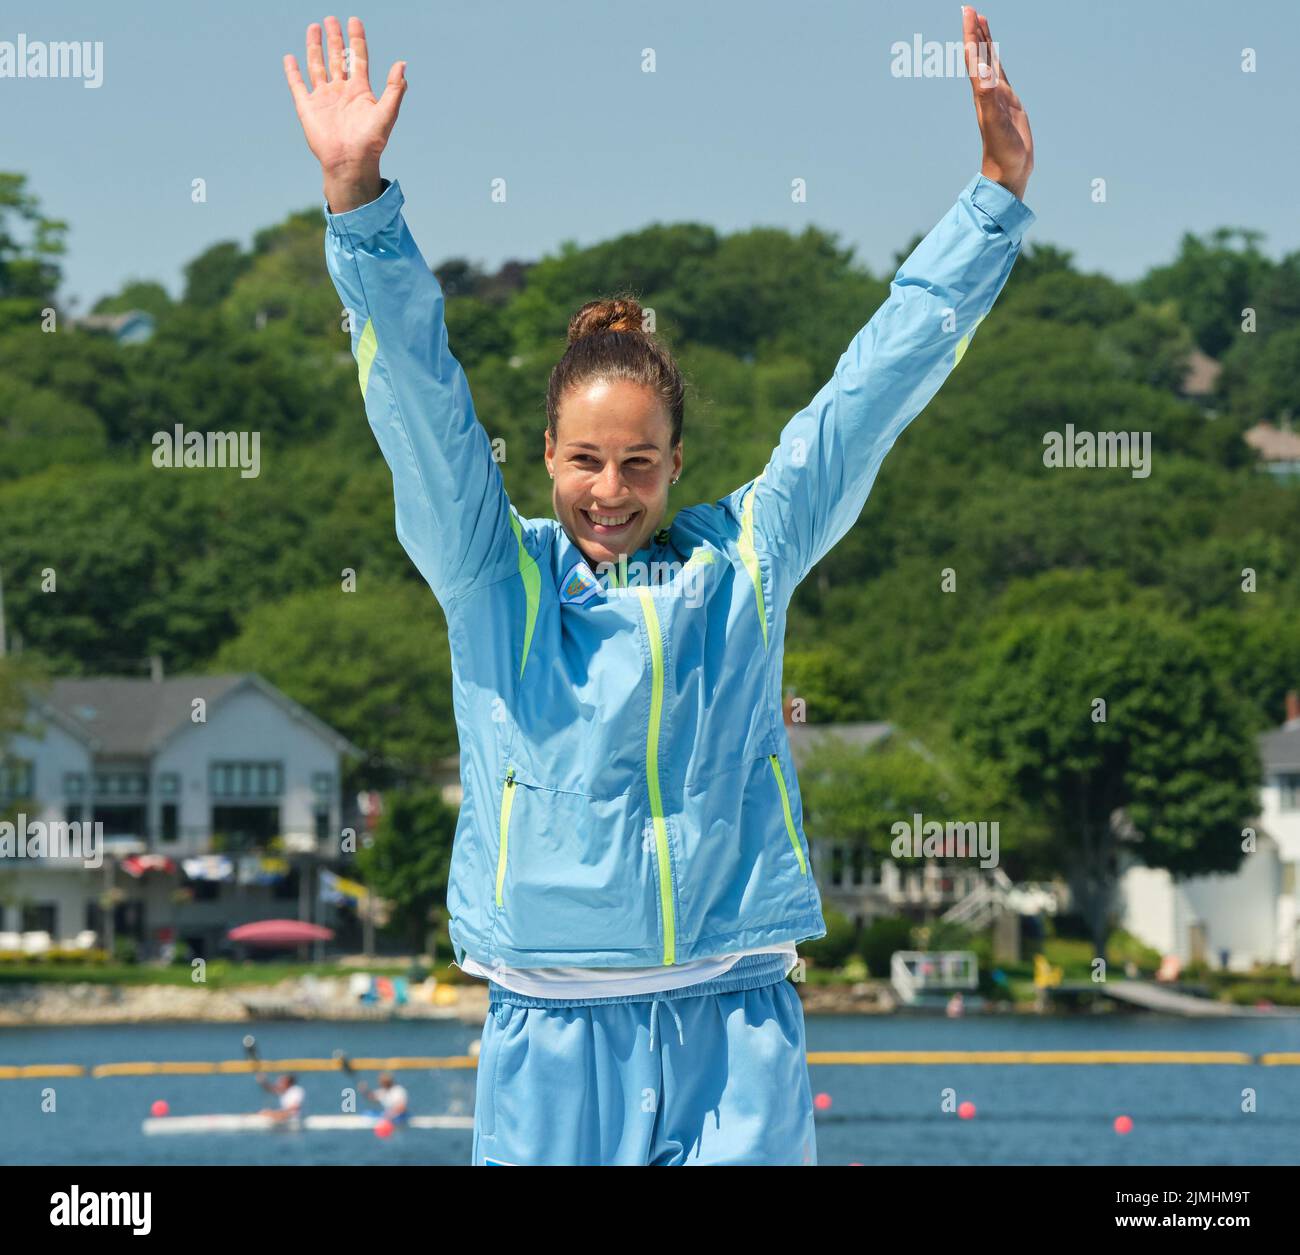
(630, 871)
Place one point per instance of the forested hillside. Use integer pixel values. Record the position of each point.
(968, 545)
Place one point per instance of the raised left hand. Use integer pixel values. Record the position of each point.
(1004, 125)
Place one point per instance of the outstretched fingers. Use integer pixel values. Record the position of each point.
(394, 90)
(360, 65)
(999, 71)
(294, 76)
(334, 41)
(972, 36)
(315, 56)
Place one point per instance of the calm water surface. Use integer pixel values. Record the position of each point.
(1053, 1114)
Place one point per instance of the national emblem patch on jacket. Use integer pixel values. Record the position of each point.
(578, 585)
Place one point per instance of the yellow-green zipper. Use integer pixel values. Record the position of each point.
(789, 818)
(507, 801)
(652, 774)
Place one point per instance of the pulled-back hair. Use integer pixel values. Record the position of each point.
(607, 340)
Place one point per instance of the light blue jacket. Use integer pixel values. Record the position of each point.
(629, 794)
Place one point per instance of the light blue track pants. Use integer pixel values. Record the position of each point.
(714, 1073)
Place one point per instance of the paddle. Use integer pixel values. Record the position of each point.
(254, 1057)
(348, 1070)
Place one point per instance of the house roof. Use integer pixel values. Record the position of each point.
(1273, 444)
(1201, 374)
(118, 715)
(1280, 749)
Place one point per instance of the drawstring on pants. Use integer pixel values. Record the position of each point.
(654, 1006)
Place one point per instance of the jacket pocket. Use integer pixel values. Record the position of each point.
(740, 875)
(574, 872)
(791, 830)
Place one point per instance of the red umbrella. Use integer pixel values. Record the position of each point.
(138, 864)
(279, 932)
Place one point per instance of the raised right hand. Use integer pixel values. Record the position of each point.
(345, 126)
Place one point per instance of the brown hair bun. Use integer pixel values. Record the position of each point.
(598, 317)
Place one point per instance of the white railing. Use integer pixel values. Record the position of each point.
(916, 972)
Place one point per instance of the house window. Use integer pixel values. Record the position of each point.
(74, 786)
(1289, 788)
(111, 784)
(41, 917)
(169, 784)
(246, 779)
(16, 779)
(322, 785)
(170, 821)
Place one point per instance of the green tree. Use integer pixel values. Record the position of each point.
(143, 294)
(211, 276)
(29, 269)
(856, 795)
(1263, 378)
(39, 428)
(373, 663)
(21, 678)
(409, 860)
(1171, 751)
(89, 372)
(1212, 279)
(287, 283)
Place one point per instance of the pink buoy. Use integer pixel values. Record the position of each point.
(1123, 1124)
(159, 1107)
(822, 1102)
(966, 1110)
(384, 1128)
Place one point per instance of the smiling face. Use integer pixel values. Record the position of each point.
(612, 462)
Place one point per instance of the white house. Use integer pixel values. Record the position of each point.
(1249, 916)
(174, 770)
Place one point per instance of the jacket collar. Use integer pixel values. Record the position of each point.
(646, 555)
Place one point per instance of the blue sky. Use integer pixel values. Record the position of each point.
(550, 96)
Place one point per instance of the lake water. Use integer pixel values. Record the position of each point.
(879, 1114)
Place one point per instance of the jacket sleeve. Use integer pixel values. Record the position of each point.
(818, 477)
(453, 517)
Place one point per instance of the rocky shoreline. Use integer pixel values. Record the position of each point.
(48, 1005)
